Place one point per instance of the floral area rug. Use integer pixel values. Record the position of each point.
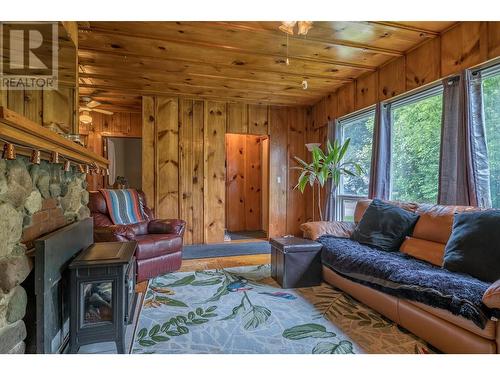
(242, 310)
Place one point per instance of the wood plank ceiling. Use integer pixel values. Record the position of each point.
(234, 61)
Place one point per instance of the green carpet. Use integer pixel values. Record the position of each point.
(242, 310)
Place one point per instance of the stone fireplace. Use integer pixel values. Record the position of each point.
(34, 200)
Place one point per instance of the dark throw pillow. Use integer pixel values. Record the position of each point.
(384, 226)
(474, 245)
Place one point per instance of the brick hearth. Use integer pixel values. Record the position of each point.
(48, 219)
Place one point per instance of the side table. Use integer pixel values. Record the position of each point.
(296, 262)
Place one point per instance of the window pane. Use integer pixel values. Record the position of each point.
(416, 134)
(491, 103)
(348, 206)
(360, 132)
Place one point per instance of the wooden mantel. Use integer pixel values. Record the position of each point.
(22, 131)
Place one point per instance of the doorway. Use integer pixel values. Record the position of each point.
(247, 187)
(125, 161)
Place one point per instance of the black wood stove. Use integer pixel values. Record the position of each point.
(102, 294)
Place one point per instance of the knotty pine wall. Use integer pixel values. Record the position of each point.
(45, 107)
(184, 172)
(121, 124)
(465, 45)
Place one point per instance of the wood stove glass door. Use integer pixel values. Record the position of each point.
(97, 302)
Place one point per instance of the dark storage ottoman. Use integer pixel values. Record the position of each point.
(295, 262)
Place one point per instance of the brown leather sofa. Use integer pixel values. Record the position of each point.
(445, 331)
(159, 241)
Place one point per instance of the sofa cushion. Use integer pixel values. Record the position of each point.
(155, 245)
(473, 246)
(139, 228)
(491, 297)
(488, 332)
(428, 251)
(316, 229)
(399, 275)
(384, 226)
(436, 221)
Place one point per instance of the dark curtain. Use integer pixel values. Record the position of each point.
(463, 167)
(380, 171)
(329, 204)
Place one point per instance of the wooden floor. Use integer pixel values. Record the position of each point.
(225, 262)
(212, 263)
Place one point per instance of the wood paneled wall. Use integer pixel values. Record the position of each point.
(191, 158)
(54, 107)
(184, 161)
(465, 45)
(215, 171)
(118, 125)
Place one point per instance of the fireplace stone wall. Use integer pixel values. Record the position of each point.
(34, 200)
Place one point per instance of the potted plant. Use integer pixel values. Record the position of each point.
(325, 166)
(121, 182)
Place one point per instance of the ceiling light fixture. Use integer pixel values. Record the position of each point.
(287, 27)
(85, 117)
(303, 27)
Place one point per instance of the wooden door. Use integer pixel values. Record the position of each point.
(243, 182)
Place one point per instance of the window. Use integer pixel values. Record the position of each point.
(415, 146)
(491, 106)
(359, 129)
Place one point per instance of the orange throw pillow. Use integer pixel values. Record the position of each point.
(316, 229)
(429, 251)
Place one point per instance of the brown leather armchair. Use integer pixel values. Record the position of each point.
(159, 241)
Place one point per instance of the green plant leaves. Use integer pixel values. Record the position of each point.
(237, 310)
(256, 316)
(146, 342)
(204, 282)
(199, 320)
(307, 330)
(221, 291)
(142, 333)
(326, 166)
(176, 326)
(343, 347)
(159, 338)
(170, 301)
(153, 331)
(153, 336)
(303, 180)
(173, 333)
(343, 149)
(184, 281)
(211, 309)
